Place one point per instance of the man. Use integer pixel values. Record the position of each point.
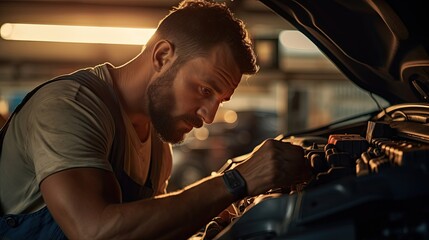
(58, 150)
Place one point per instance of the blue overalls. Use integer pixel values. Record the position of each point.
(38, 226)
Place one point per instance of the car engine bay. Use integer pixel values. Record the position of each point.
(372, 185)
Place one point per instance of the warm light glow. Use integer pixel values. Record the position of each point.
(201, 133)
(294, 40)
(230, 116)
(75, 34)
(4, 108)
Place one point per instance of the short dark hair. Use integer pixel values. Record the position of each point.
(196, 26)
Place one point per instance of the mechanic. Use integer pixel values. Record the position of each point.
(59, 171)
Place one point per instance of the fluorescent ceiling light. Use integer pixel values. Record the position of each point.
(75, 34)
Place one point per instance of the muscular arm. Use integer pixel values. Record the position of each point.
(85, 203)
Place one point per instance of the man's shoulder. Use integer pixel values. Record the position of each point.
(66, 97)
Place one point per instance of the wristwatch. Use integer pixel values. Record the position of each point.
(235, 183)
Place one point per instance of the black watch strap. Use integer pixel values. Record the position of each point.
(235, 183)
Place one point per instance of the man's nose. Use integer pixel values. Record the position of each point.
(208, 111)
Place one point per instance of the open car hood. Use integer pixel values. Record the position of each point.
(382, 46)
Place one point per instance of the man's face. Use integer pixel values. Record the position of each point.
(189, 94)
(162, 105)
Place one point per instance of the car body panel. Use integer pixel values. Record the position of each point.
(382, 46)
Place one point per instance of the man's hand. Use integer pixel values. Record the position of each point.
(274, 164)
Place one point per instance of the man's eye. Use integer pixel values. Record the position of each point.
(205, 91)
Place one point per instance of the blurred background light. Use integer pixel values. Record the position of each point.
(296, 42)
(201, 133)
(4, 108)
(230, 116)
(75, 34)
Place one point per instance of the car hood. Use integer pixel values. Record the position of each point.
(382, 46)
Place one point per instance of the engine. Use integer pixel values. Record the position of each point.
(374, 186)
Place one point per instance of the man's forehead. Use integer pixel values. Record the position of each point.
(224, 63)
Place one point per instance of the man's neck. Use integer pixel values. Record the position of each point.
(142, 126)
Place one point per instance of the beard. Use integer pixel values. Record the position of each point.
(161, 106)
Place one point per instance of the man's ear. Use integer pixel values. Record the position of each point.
(163, 52)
